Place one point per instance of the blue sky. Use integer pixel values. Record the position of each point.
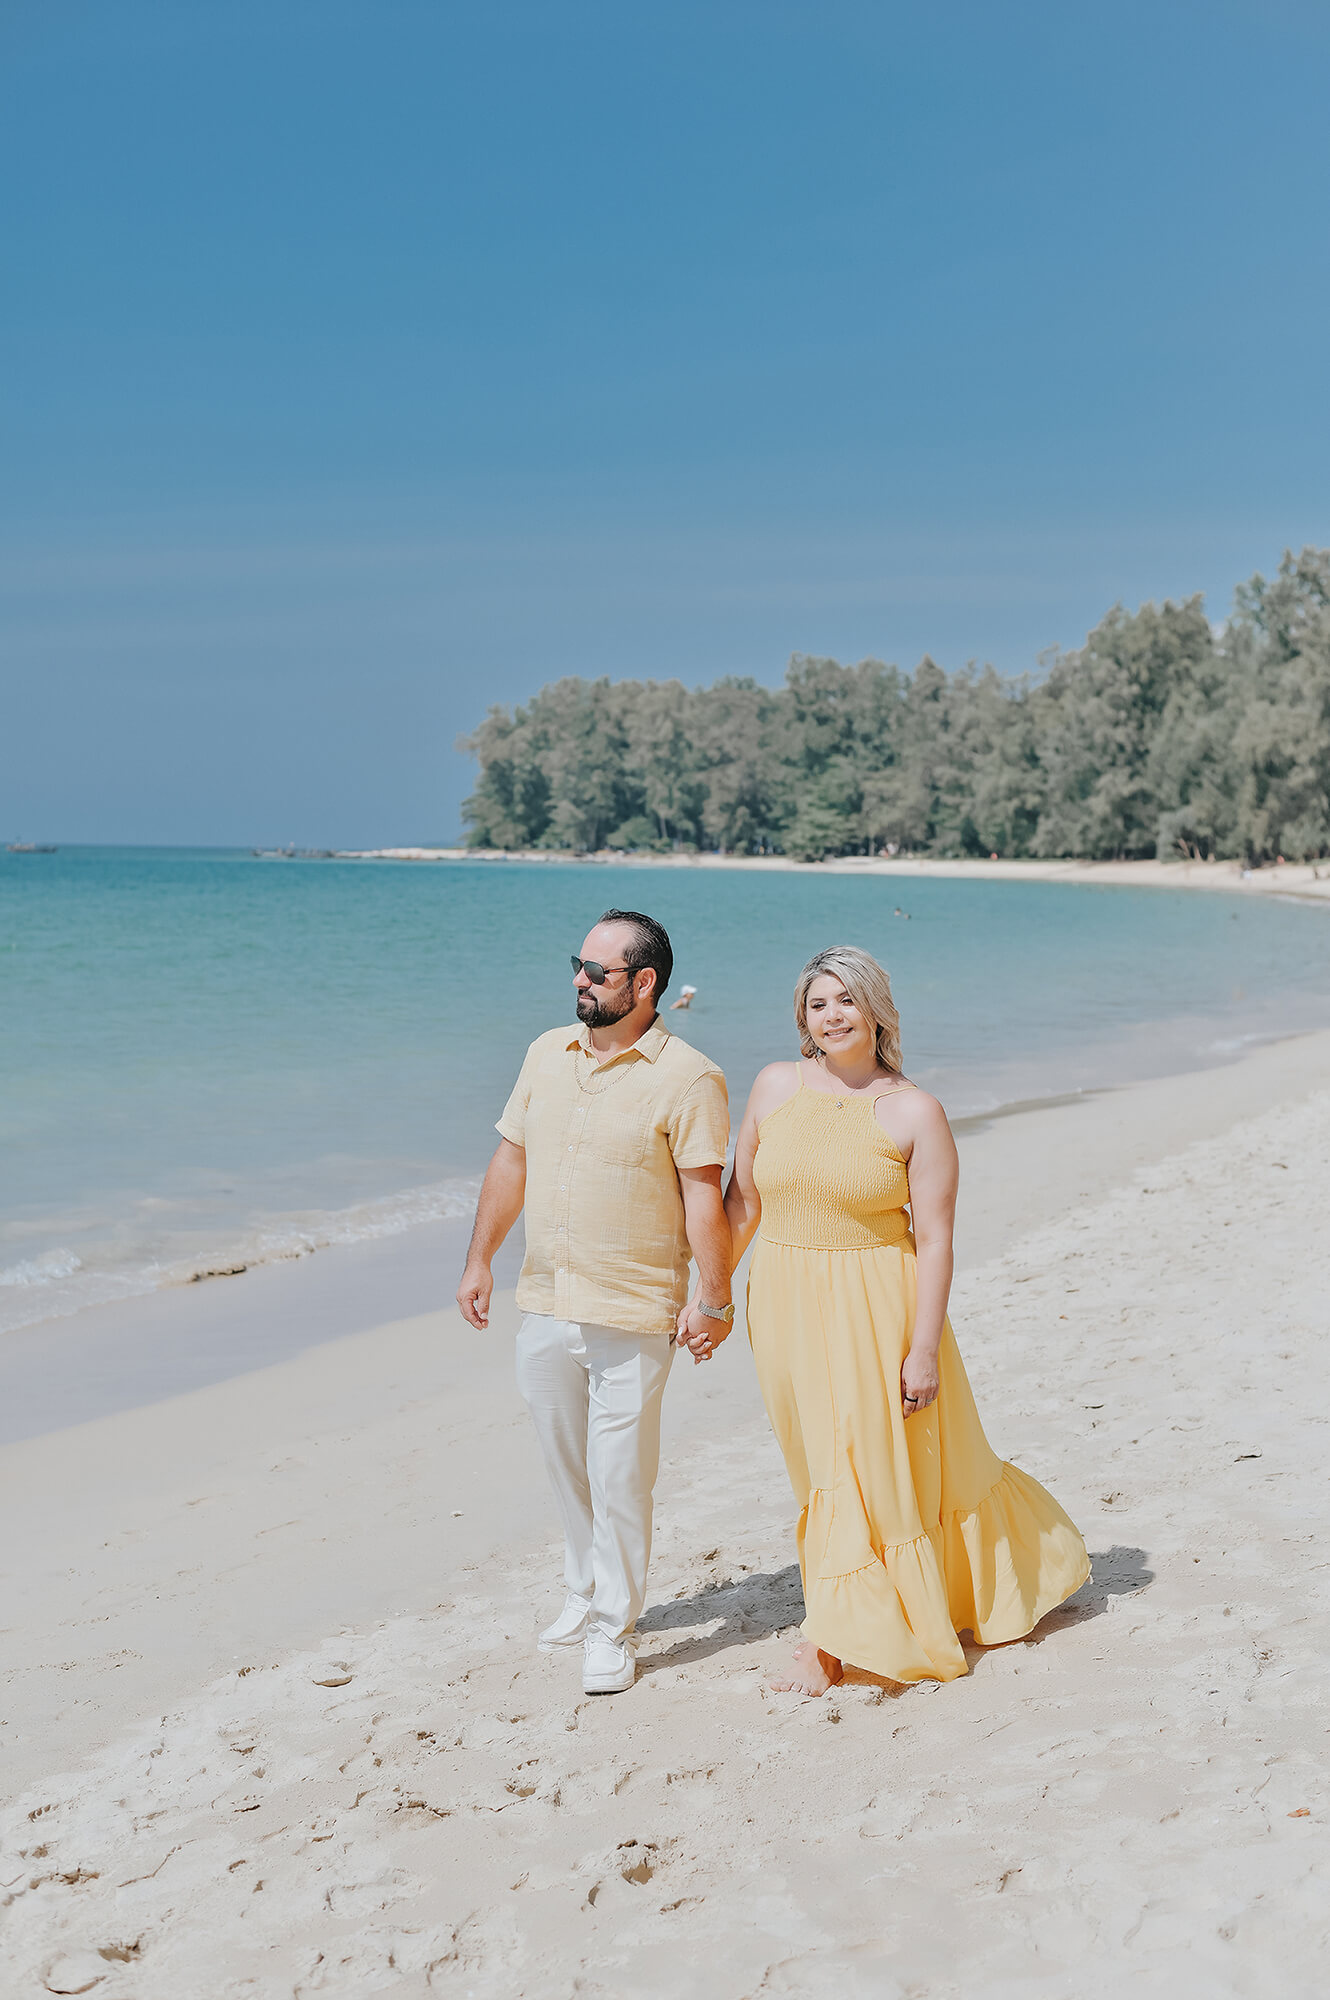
(362, 365)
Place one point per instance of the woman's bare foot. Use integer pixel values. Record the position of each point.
(813, 1672)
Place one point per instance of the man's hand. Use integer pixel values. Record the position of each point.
(710, 1242)
(502, 1193)
(474, 1294)
(699, 1333)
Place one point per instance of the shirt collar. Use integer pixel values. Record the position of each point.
(648, 1044)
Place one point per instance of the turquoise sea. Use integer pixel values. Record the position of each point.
(211, 1059)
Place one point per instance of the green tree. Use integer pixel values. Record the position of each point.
(510, 806)
(1156, 736)
(1279, 644)
(661, 756)
(1095, 718)
(742, 732)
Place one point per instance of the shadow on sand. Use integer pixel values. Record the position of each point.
(749, 1607)
(752, 1608)
(1115, 1572)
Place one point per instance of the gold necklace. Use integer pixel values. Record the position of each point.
(583, 1082)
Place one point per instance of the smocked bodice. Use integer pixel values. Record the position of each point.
(829, 1177)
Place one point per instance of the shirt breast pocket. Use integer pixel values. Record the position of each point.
(618, 1141)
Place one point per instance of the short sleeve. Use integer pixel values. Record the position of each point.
(512, 1123)
(700, 1127)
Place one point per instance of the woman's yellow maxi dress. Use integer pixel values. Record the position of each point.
(908, 1532)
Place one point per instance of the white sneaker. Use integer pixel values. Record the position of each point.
(609, 1666)
(569, 1628)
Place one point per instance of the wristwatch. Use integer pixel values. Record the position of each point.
(716, 1312)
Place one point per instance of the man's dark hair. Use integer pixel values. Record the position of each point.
(650, 946)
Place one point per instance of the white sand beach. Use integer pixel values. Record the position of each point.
(1303, 879)
(273, 1723)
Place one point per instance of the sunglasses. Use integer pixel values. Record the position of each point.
(596, 973)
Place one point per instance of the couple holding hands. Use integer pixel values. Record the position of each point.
(911, 1530)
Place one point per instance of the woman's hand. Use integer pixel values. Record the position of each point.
(698, 1332)
(933, 1176)
(918, 1382)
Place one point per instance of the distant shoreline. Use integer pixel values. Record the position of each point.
(1308, 881)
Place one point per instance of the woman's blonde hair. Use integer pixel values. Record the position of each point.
(868, 986)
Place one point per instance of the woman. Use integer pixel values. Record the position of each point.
(911, 1529)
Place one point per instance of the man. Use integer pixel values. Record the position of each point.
(614, 1139)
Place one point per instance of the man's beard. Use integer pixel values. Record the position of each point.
(593, 1013)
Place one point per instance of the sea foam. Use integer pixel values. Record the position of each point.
(59, 1282)
(44, 1270)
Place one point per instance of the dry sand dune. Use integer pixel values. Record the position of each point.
(1133, 1800)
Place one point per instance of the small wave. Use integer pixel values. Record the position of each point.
(44, 1270)
(447, 1201)
(58, 1283)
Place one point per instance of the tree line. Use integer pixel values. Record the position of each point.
(1159, 736)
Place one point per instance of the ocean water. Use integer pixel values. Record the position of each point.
(210, 1059)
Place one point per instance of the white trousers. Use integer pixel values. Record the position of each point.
(594, 1393)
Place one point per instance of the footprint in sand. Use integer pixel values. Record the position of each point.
(639, 1861)
(635, 1863)
(77, 1973)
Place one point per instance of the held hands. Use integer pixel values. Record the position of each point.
(918, 1382)
(474, 1295)
(699, 1334)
